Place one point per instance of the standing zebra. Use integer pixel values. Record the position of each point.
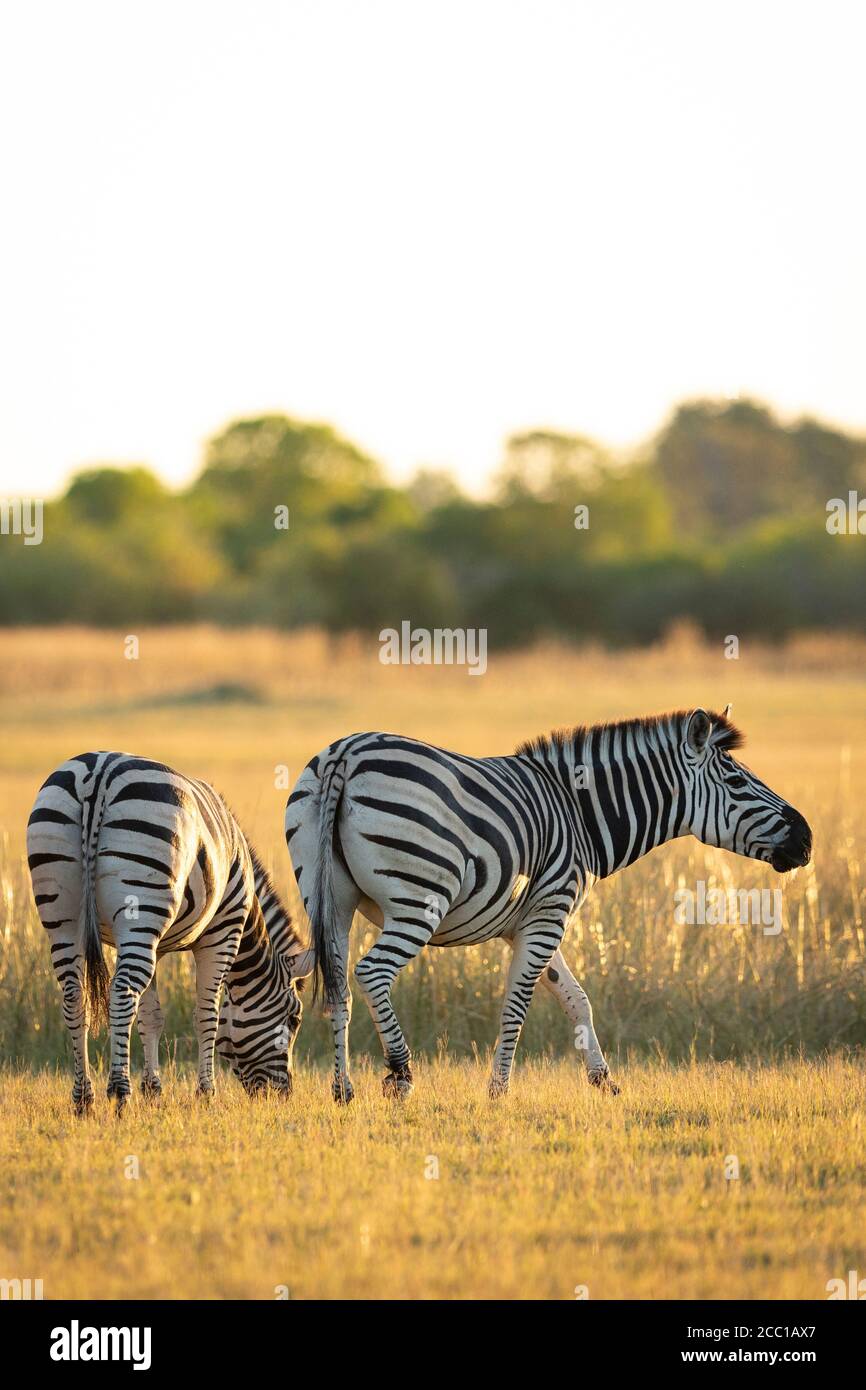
(129, 852)
(435, 847)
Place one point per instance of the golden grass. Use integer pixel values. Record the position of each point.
(553, 1188)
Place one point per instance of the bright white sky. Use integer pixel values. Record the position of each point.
(429, 222)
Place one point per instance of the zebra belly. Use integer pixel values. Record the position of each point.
(471, 919)
(178, 937)
(450, 933)
(372, 911)
(181, 937)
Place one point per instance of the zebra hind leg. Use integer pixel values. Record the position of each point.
(76, 1020)
(132, 974)
(559, 981)
(339, 1009)
(340, 1014)
(375, 973)
(54, 848)
(150, 1024)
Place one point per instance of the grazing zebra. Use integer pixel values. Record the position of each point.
(253, 1005)
(435, 847)
(129, 852)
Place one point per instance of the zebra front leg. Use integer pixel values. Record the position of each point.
(133, 973)
(532, 949)
(212, 961)
(293, 1027)
(375, 973)
(150, 1024)
(558, 979)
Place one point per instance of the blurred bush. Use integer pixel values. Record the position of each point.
(720, 520)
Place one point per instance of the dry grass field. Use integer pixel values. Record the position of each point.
(555, 1190)
(727, 1042)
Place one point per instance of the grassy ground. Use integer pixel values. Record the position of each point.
(554, 1189)
(727, 1041)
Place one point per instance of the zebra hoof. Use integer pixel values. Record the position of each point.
(497, 1087)
(151, 1087)
(204, 1093)
(83, 1104)
(604, 1081)
(396, 1086)
(118, 1090)
(343, 1091)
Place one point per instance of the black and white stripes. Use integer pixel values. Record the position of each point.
(127, 851)
(443, 849)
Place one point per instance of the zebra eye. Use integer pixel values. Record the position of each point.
(736, 783)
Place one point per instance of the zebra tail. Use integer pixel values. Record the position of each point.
(323, 906)
(96, 977)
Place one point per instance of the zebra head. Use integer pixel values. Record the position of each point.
(259, 1022)
(255, 1036)
(732, 808)
(261, 1010)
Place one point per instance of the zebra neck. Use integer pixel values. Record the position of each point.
(630, 793)
(266, 949)
(282, 937)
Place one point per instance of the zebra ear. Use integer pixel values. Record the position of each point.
(302, 964)
(729, 709)
(698, 730)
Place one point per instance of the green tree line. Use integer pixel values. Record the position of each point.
(722, 518)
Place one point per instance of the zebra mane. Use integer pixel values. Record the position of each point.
(725, 735)
(260, 869)
(270, 899)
